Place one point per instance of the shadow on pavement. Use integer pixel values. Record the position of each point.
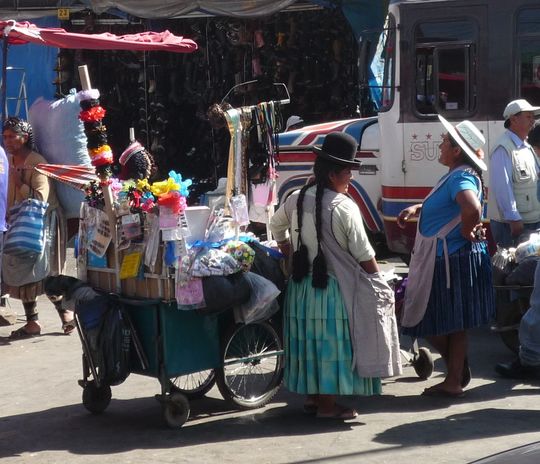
(471, 425)
(137, 424)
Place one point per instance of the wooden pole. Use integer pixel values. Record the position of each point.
(107, 192)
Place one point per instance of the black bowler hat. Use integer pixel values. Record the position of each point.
(340, 148)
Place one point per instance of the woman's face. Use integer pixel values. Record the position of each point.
(12, 141)
(339, 181)
(449, 154)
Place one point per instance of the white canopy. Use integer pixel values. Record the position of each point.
(176, 8)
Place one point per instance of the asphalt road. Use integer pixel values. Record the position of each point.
(42, 419)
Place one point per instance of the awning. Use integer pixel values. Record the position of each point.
(25, 32)
(177, 8)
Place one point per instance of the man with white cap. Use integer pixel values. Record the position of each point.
(513, 203)
(293, 123)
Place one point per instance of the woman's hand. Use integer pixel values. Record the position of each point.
(471, 209)
(285, 247)
(407, 213)
(478, 234)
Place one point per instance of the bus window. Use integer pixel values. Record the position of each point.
(388, 57)
(529, 55)
(452, 84)
(444, 71)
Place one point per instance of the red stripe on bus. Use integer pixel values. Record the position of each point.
(307, 156)
(405, 193)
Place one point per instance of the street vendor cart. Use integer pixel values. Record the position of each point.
(187, 352)
(185, 298)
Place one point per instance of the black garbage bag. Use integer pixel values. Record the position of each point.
(523, 273)
(224, 292)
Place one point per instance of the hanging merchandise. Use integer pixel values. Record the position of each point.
(92, 114)
(253, 130)
(239, 210)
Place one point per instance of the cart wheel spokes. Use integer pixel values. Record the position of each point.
(194, 385)
(96, 399)
(176, 410)
(252, 365)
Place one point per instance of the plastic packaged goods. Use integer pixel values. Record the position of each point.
(529, 248)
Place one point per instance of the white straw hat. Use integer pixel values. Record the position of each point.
(469, 138)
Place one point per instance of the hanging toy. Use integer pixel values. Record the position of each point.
(92, 114)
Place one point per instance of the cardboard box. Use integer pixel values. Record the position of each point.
(156, 285)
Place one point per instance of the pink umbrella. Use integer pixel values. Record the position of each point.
(25, 32)
(16, 33)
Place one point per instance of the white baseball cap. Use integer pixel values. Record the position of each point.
(517, 106)
(292, 121)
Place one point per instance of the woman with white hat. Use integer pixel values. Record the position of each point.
(449, 289)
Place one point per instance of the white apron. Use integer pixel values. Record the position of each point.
(422, 266)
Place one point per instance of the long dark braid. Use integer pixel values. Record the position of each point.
(320, 270)
(300, 260)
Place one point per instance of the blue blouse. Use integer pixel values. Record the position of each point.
(441, 207)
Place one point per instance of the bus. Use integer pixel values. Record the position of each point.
(464, 59)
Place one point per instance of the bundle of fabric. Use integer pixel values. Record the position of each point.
(61, 140)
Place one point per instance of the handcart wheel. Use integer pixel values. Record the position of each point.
(96, 399)
(252, 365)
(176, 410)
(423, 363)
(195, 385)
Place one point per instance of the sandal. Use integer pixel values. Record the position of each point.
(438, 392)
(21, 333)
(340, 412)
(69, 326)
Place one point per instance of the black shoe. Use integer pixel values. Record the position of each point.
(516, 370)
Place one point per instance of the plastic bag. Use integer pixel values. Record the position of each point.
(530, 247)
(260, 305)
(60, 138)
(502, 264)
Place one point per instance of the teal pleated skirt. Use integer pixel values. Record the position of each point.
(318, 350)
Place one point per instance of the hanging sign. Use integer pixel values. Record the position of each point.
(101, 236)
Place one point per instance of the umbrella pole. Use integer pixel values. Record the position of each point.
(4, 77)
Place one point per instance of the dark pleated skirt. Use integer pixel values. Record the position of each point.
(468, 303)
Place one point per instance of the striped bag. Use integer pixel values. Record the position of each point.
(25, 236)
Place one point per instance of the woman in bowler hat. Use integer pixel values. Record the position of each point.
(318, 349)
